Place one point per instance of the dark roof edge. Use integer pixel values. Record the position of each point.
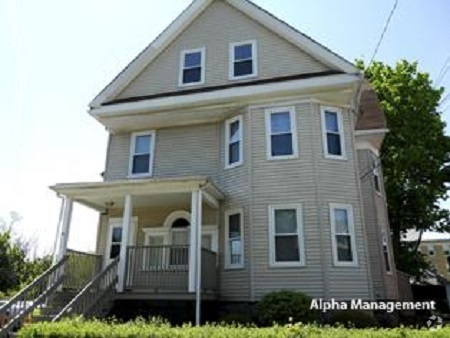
(220, 87)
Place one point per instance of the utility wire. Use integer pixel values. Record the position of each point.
(445, 68)
(384, 32)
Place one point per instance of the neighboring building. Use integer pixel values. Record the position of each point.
(234, 132)
(437, 252)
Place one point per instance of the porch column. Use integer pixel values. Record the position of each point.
(127, 219)
(63, 229)
(196, 210)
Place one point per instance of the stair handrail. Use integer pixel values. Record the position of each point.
(92, 294)
(33, 295)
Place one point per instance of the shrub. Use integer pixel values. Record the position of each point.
(354, 318)
(236, 318)
(283, 307)
(99, 329)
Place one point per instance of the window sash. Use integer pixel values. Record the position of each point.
(387, 258)
(339, 255)
(187, 70)
(287, 146)
(234, 241)
(295, 256)
(238, 63)
(139, 158)
(233, 143)
(337, 151)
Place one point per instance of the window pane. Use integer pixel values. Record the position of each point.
(341, 221)
(234, 131)
(234, 226)
(235, 250)
(243, 52)
(242, 68)
(141, 164)
(116, 235)
(334, 144)
(286, 249)
(142, 145)
(192, 59)
(115, 251)
(282, 145)
(386, 258)
(344, 248)
(285, 221)
(331, 121)
(280, 123)
(233, 153)
(192, 75)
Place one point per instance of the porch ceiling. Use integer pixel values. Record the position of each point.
(145, 192)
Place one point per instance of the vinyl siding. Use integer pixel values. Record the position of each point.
(218, 26)
(376, 219)
(310, 180)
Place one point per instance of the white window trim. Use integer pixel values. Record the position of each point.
(254, 60)
(227, 142)
(202, 65)
(338, 111)
(152, 133)
(351, 228)
(300, 237)
(228, 213)
(293, 118)
(385, 242)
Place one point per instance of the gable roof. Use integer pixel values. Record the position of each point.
(253, 11)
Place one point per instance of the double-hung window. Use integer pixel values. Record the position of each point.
(281, 133)
(141, 153)
(243, 58)
(234, 244)
(333, 133)
(233, 142)
(286, 235)
(343, 235)
(192, 67)
(387, 258)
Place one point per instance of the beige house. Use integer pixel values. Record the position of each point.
(242, 159)
(437, 251)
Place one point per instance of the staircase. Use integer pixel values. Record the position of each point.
(75, 286)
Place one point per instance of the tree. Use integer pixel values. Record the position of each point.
(17, 268)
(415, 154)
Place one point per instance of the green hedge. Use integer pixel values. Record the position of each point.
(140, 328)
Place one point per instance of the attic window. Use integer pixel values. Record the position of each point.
(192, 67)
(243, 60)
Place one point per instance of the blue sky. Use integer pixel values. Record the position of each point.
(57, 55)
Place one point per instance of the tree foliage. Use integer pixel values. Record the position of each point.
(415, 154)
(17, 268)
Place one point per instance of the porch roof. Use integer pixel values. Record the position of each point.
(96, 195)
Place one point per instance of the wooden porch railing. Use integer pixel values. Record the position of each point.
(95, 297)
(31, 297)
(81, 267)
(166, 268)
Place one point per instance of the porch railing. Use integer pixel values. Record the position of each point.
(20, 307)
(95, 297)
(166, 268)
(80, 268)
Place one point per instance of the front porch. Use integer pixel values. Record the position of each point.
(174, 257)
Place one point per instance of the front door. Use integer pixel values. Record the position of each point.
(114, 239)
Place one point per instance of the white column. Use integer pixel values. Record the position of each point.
(127, 220)
(198, 267)
(64, 229)
(193, 241)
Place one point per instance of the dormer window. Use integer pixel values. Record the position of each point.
(192, 67)
(243, 60)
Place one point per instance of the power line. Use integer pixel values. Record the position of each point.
(383, 33)
(445, 68)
